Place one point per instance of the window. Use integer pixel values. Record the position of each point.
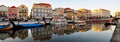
(35, 10)
(37, 14)
(19, 15)
(34, 14)
(9, 15)
(42, 10)
(45, 14)
(15, 15)
(39, 10)
(42, 14)
(12, 14)
(25, 10)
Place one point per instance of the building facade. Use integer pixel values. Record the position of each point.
(69, 13)
(58, 12)
(84, 13)
(12, 12)
(117, 14)
(40, 10)
(22, 12)
(101, 13)
(3, 11)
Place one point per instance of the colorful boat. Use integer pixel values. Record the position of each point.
(30, 25)
(5, 28)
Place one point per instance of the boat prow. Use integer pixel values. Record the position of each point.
(5, 28)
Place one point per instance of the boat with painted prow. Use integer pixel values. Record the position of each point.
(6, 27)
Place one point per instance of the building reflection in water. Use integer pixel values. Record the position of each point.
(21, 34)
(59, 29)
(83, 28)
(71, 28)
(43, 33)
(4, 35)
(100, 27)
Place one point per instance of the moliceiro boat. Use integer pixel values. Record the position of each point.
(6, 27)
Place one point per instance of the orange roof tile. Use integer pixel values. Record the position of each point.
(13, 7)
(42, 4)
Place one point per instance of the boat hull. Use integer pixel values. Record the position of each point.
(5, 28)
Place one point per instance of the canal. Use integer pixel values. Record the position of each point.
(96, 32)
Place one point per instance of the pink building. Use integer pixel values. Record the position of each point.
(12, 12)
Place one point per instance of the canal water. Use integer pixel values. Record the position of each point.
(61, 33)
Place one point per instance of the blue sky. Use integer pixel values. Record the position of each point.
(112, 5)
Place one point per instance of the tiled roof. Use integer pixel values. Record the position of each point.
(13, 7)
(67, 8)
(43, 4)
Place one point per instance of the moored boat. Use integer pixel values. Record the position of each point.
(59, 21)
(5, 28)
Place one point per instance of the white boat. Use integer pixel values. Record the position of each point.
(80, 22)
(59, 21)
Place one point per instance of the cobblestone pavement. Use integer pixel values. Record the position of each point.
(116, 34)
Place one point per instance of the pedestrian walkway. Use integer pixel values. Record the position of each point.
(116, 34)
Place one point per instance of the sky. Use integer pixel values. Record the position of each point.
(112, 5)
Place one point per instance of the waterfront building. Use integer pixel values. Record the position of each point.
(84, 13)
(59, 16)
(58, 12)
(12, 12)
(69, 13)
(3, 11)
(22, 11)
(117, 14)
(40, 10)
(101, 13)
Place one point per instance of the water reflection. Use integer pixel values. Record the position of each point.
(48, 33)
(43, 33)
(21, 34)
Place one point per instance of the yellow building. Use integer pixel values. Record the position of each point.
(117, 14)
(22, 12)
(101, 13)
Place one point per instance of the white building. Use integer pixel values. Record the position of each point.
(40, 10)
(3, 11)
